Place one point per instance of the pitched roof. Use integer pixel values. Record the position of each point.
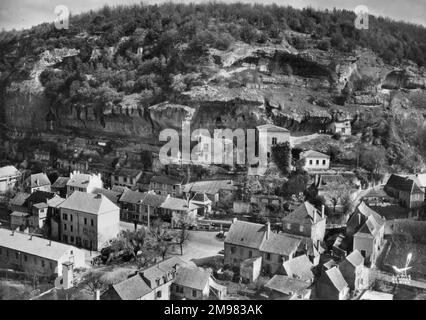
(19, 214)
(36, 246)
(336, 278)
(154, 200)
(373, 220)
(313, 154)
(88, 202)
(246, 234)
(127, 172)
(420, 179)
(303, 214)
(271, 127)
(40, 205)
(37, 180)
(167, 180)
(130, 196)
(178, 204)
(112, 195)
(355, 258)
(132, 288)
(162, 268)
(279, 243)
(287, 285)
(403, 184)
(40, 196)
(19, 199)
(376, 192)
(299, 267)
(79, 180)
(201, 197)
(210, 186)
(194, 278)
(8, 171)
(61, 182)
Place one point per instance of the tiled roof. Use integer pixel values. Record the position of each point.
(162, 268)
(336, 278)
(36, 246)
(127, 172)
(420, 179)
(313, 154)
(154, 200)
(403, 184)
(211, 187)
(130, 196)
(61, 182)
(37, 180)
(40, 205)
(287, 285)
(201, 197)
(373, 220)
(303, 214)
(110, 194)
(8, 171)
(79, 180)
(88, 202)
(194, 278)
(167, 180)
(40, 196)
(299, 267)
(19, 199)
(132, 288)
(271, 127)
(279, 243)
(246, 234)
(355, 258)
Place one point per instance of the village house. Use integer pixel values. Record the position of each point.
(196, 284)
(216, 190)
(203, 202)
(21, 251)
(179, 211)
(42, 156)
(406, 190)
(165, 185)
(313, 160)
(354, 271)
(131, 205)
(152, 283)
(281, 287)
(377, 197)
(331, 285)
(18, 202)
(60, 186)
(112, 195)
(35, 182)
(366, 229)
(246, 240)
(9, 176)
(420, 179)
(83, 182)
(275, 135)
(341, 126)
(88, 220)
(126, 177)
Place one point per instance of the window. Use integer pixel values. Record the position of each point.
(85, 220)
(268, 256)
(50, 265)
(16, 255)
(310, 162)
(194, 293)
(25, 258)
(158, 294)
(65, 216)
(65, 226)
(1, 251)
(65, 238)
(71, 217)
(71, 228)
(301, 228)
(157, 281)
(250, 254)
(71, 238)
(42, 263)
(232, 249)
(274, 141)
(91, 222)
(317, 162)
(323, 162)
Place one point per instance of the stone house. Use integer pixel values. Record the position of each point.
(354, 271)
(35, 182)
(331, 285)
(406, 190)
(314, 160)
(9, 176)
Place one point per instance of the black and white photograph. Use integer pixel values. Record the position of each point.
(239, 152)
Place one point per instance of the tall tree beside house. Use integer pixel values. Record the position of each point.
(297, 183)
(281, 153)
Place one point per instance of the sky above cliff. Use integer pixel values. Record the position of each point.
(20, 14)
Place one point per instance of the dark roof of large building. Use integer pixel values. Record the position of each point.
(134, 197)
(61, 182)
(246, 234)
(194, 278)
(127, 172)
(132, 288)
(40, 196)
(303, 214)
(112, 195)
(154, 200)
(403, 184)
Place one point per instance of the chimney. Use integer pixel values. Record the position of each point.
(268, 229)
(97, 294)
